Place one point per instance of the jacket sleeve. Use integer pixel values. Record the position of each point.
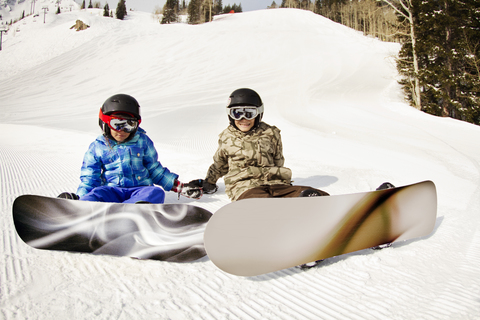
(91, 172)
(219, 168)
(279, 159)
(160, 175)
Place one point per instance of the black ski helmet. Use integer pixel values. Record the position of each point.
(119, 103)
(245, 97)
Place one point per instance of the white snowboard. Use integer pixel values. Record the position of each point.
(256, 236)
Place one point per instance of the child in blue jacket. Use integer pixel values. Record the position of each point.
(122, 164)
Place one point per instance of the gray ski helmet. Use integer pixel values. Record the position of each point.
(245, 97)
(121, 103)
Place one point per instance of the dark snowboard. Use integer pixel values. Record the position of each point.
(255, 236)
(167, 232)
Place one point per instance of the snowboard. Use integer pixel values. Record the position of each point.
(256, 236)
(167, 232)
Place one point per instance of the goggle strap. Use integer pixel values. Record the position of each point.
(260, 109)
(105, 118)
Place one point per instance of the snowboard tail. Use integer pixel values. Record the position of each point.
(257, 236)
(167, 232)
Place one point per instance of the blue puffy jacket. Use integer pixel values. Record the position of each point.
(129, 164)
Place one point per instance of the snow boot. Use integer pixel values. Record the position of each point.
(309, 265)
(310, 193)
(68, 195)
(382, 246)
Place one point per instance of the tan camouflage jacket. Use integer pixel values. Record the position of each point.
(249, 159)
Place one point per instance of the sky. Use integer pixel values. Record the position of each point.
(149, 5)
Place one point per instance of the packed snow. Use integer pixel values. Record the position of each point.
(345, 127)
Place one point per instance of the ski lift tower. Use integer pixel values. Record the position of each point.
(45, 9)
(32, 7)
(3, 28)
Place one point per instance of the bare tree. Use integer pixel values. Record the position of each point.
(207, 8)
(472, 58)
(405, 9)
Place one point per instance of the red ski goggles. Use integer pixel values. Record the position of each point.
(120, 122)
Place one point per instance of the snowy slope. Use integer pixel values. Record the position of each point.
(13, 10)
(345, 128)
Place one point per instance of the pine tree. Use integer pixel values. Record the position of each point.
(170, 11)
(218, 8)
(237, 8)
(90, 5)
(274, 5)
(83, 5)
(194, 11)
(447, 49)
(435, 60)
(227, 8)
(106, 10)
(121, 10)
(470, 42)
(444, 77)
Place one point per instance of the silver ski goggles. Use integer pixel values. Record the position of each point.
(120, 122)
(244, 112)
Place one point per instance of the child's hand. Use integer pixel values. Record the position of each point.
(193, 192)
(207, 188)
(189, 190)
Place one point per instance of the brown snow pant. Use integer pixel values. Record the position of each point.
(276, 191)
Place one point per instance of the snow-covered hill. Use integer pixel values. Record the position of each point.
(13, 10)
(345, 128)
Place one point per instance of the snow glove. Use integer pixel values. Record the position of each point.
(207, 187)
(189, 190)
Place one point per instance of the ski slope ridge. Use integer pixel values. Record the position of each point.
(345, 128)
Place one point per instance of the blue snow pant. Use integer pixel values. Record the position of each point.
(125, 195)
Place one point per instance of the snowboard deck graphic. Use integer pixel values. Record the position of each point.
(167, 232)
(256, 236)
